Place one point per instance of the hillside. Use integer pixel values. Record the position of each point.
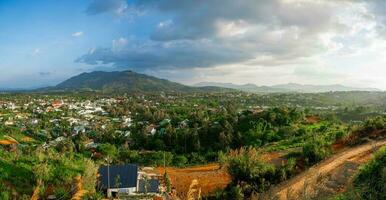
(286, 88)
(125, 81)
(319, 88)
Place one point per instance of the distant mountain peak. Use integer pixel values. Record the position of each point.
(125, 81)
(286, 88)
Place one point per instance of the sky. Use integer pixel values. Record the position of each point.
(265, 42)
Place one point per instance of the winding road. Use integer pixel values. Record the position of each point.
(329, 175)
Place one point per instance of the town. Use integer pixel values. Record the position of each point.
(192, 100)
(144, 146)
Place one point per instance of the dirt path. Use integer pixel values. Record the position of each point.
(331, 174)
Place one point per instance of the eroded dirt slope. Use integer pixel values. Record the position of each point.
(329, 176)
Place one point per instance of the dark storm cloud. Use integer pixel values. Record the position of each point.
(184, 54)
(197, 19)
(204, 33)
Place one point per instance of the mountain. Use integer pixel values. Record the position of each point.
(246, 87)
(125, 81)
(285, 88)
(294, 87)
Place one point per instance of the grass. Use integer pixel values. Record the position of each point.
(17, 173)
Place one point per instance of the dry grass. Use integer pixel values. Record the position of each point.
(8, 142)
(36, 192)
(194, 192)
(26, 139)
(79, 191)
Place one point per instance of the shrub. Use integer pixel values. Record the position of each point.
(246, 168)
(371, 179)
(375, 123)
(4, 194)
(108, 150)
(316, 150)
(180, 161)
(235, 193)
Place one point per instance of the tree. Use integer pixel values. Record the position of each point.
(117, 181)
(108, 150)
(167, 182)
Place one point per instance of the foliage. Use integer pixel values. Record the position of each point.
(167, 182)
(371, 179)
(316, 150)
(175, 129)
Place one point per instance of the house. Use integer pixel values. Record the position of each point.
(57, 104)
(151, 129)
(128, 180)
(148, 181)
(116, 179)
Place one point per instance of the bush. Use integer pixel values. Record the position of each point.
(235, 193)
(180, 161)
(4, 194)
(108, 150)
(371, 179)
(246, 168)
(196, 158)
(316, 150)
(375, 123)
(287, 170)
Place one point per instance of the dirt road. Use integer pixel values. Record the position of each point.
(329, 176)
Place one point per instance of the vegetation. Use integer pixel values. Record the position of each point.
(370, 182)
(126, 81)
(49, 140)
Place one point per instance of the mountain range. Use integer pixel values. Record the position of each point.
(126, 81)
(285, 88)
(132, 82)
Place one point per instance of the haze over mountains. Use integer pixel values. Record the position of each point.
(290, 87)
(129, 81)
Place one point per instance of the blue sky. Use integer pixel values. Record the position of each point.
(266, 42)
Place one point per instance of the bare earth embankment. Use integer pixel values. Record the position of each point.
(329, 176)
(210, 178)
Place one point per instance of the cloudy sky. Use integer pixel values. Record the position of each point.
(266, 42)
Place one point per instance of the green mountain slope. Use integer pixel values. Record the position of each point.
(126, 81)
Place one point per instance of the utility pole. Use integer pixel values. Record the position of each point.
(164, 162)
(108, 176)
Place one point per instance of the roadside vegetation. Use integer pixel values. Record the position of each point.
(370, 181)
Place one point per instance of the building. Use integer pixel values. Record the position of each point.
(116, 179)
(127, 180)
(148, 181)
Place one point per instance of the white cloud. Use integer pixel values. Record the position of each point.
(77, 34)
(257, 41)
(36, 51)
(119, 44)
